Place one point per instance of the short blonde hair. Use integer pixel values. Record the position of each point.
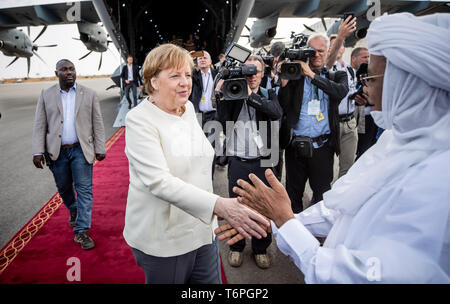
(163, 57)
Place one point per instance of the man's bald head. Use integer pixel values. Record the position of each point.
(204, 62)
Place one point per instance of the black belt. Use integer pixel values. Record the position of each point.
(70, 146)
(209, 112)
(346, 117)
(319, 139)
(252, 159)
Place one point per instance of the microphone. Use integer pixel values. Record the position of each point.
(277, 49)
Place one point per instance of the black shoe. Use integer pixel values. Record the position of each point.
(129, 106)
(73, 218)
(85, 241)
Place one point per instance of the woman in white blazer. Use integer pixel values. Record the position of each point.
(171, 210)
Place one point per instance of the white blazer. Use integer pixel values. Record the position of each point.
(170, 201)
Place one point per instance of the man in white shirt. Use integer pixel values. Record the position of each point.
(387, 220)
(347, 122)
(131, 80)
(201, 94)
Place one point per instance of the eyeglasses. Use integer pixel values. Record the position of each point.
(365, 80)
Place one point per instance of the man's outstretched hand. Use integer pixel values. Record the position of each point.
(273, 202)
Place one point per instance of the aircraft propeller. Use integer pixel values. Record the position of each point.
(34, 49)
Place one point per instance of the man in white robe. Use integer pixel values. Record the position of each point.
(388, 219)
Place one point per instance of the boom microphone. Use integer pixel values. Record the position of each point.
(277, 48)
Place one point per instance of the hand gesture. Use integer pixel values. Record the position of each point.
(273, 202)
(347, 27)
(244, 220)
(229, 232)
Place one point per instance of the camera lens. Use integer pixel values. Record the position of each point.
(292, 70)
(235, 89)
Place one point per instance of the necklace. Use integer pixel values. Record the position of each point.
(179, 112)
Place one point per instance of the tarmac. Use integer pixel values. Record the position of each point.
(25, 189)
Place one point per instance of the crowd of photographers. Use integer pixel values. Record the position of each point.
(301, 104)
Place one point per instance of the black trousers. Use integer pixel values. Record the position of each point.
(318, 169)
(238, 169)
(368, 139)
(210, 116)
(133, 87)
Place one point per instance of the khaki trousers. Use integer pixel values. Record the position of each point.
(349, 142)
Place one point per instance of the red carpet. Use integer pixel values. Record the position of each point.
(40, 251)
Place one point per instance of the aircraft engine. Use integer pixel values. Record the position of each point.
(263, 31)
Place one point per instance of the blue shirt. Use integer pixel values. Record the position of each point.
(69, 133)
(308, 125)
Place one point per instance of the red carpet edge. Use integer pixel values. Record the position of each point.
(10, 251)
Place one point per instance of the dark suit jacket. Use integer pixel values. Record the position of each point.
(266, 110)
(136, 78)
(291, 97)
(197, 87)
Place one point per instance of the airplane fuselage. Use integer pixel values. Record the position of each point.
(15, 43)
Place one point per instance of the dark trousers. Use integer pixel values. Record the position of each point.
(71, 170)
(318, 169)
(210, 116)
(133, 87)
(200, 266)
(238, 169)
(368, 139)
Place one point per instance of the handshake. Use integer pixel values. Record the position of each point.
(272, 202)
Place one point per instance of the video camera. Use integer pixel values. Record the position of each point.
(235, 85)
(293, 70)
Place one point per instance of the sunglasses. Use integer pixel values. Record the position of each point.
(366, 79)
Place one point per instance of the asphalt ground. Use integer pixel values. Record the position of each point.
(25, 189)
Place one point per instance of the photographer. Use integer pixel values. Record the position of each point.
(310, 127)
(367, 129)
(247, 146)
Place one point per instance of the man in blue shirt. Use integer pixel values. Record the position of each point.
(68, 136)
(311, 120)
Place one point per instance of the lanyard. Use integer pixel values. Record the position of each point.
(316, 92)
(207, 83)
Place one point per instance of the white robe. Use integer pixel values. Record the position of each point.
(387, 219)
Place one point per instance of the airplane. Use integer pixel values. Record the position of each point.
(15, 43)
(94, 38)
(267, 13)
(135, 27)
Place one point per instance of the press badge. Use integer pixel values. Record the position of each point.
(258, 140)
(314, 107)
(320, 116)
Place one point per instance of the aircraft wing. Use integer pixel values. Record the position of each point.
(33, 13)
(264, 28)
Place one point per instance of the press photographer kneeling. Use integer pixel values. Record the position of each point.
(310, 96)
(248, 136)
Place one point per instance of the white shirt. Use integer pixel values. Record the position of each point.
(170, 197)
(401, 234)
(347, 106)
(243, 143)
(205, 104)
(130, 72)
(69, 132)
